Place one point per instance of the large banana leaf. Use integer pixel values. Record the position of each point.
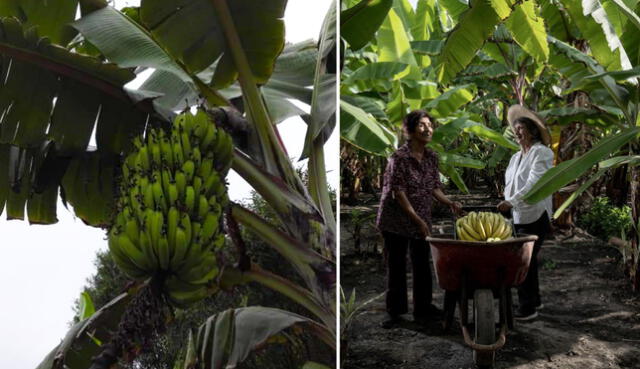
(451, 100)
(630, 36)
(323, 101)
(475, 26)
(429, 47)
(594, 26)
(394, 41)
(527, 28)
(426, 20)
(359, 23)
(363, 131)
(89, 185)
(604, 166)
(461, 161)
(503, 7)
(108, 29)
(82, 341)
(291, 78)
(628, 12)
(454, 175)
(50, 17)
(227, 338)
(373, 106)
(89, 96)
(399, 104)
(557, 177)
(447, 132)
(558, 23)
(617, 93)
(381, 71)
(192, 32)
(454, 7)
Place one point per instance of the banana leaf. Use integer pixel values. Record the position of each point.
(359, 23)
(370, 105)
(527, 28)
(192, 32)
(447, 132)
(604, 166)
(503, 8)
(455, 176)
(363, 131)
(451, 100)
(82, 341)
(461, 161)
(90, 96)
(227, 338)
(594, 26)
(393, 42)
(386, 71)
(429, 47)
(462, 44)
(323, 100)
(617, 93)
(568, 171)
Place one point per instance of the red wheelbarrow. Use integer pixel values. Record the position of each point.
(482, 271)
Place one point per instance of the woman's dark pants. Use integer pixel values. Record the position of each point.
(395, 252)
(529, 290)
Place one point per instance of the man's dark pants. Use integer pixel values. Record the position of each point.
(395, 252)
(529, 290)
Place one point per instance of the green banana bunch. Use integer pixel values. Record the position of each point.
(483, 226)
(173, 194)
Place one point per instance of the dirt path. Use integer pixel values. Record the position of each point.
(590, 319)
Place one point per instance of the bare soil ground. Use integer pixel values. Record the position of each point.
(590, 319)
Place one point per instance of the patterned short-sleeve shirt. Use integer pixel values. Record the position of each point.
(418, 180)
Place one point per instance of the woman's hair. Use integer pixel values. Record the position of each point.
(411, 120)
(531, 127)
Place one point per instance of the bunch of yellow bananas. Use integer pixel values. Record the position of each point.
(172, 198)
(483, 226)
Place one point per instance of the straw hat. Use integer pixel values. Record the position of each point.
(517, 111)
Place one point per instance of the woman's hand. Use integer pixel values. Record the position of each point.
(424, 229)
(504, 206)
(456, 207)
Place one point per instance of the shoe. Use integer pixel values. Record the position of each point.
(524, 315)
(434, 312)
(392, 322)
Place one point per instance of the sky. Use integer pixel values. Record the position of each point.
(43, 268)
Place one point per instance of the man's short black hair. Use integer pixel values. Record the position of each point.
(412, 119)
(531, 126)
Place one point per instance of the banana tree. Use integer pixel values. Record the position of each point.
(207, 53)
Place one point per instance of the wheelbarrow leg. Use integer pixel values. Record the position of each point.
(464, 300)
(450, 298)
(509, 309)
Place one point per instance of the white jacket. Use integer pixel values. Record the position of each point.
(522, 173)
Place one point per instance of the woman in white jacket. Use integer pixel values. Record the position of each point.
(524, 170)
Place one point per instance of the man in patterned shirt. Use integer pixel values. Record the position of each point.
(411, 181)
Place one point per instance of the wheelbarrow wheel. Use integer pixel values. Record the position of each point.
(485, 326)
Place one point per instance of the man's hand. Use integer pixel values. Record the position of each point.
(504, 206)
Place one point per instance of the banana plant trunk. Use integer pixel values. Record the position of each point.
(634, 271)
(617, 187)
